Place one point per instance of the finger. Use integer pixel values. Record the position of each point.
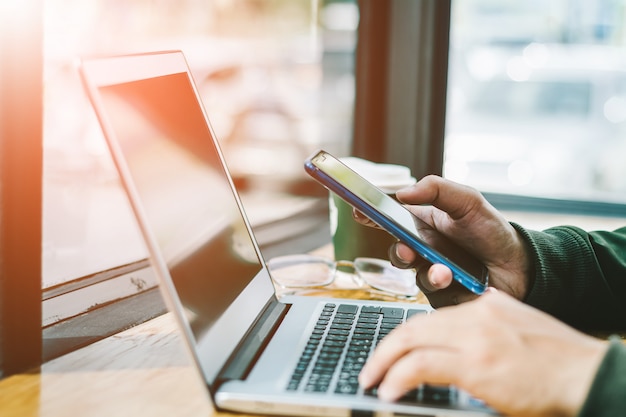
(393, 346)
(429, 278)
(454, 294)
(363, 219)
(434, 278)
(432, 331)
(437, 366)
(401, 256)
(423, 282)
(491, 290)
(439, 276)
(453, 198)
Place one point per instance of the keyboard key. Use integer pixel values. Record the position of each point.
(438, 395)
(389, 312)
(347, 308)
(410, 313)
(346, 388)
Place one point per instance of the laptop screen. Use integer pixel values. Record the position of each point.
(184, 191)
(184, 199)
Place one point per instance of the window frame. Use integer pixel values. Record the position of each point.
(401, 79)
(21, 155)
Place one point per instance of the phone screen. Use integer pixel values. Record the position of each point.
(397, 220)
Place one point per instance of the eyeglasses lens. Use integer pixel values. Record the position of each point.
(383, 276)
(301, 271)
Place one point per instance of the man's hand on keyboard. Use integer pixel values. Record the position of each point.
(519, 360)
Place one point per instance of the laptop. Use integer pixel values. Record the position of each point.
(259, 354)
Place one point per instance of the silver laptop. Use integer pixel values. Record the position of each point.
(295, 355)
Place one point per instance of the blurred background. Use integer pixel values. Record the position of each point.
(536, 104)
(276, 78)
(537, 97)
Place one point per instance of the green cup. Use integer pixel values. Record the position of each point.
(351, 239)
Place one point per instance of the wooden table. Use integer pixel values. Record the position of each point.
(141, 371)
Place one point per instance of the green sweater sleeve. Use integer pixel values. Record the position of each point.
(579, 276)
(607, 396)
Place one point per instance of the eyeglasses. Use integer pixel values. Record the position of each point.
(308, 271)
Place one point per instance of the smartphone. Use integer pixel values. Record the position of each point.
(397, 220)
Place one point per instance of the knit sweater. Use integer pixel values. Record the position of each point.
(580, 278)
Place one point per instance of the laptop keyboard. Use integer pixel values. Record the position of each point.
(342, 340)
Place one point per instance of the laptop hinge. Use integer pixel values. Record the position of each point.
(253, 344)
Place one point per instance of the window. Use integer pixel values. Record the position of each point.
(276, 77)
(537, 98)
(543, 144)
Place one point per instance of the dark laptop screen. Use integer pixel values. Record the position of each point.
(185, 194)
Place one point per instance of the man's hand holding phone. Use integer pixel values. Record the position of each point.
(422, 237)
(463, 215)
